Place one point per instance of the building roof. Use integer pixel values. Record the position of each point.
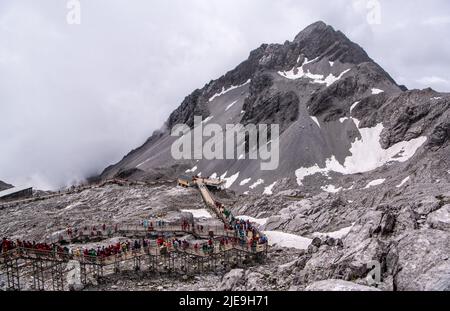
(185, 177)
(13, 190)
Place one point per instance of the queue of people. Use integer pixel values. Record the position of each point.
(39, 248)
(248, 235)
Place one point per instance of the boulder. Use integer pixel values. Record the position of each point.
(388, 224)
(312, 249)
(423, 260)
(317, 242)
(331, 241)
(440, 219)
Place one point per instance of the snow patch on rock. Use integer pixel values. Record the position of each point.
(245, 181)
(376, 91)
(268, 189)
(230, 105)
(257, 183)
(230, 180)
(404, 181)
(331, 189)
(367, 155)
(224, 91)
(299, 72)
(198, 213)
(288, 240)
(339, 234)
(353, 106)
(316, 121)
(374, 183)
(192, 170)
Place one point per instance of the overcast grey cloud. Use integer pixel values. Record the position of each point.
(76, 98)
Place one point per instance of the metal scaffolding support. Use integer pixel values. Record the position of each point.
(137, 263)
(57, 270)
(12, 274)
(83, 271)
(98, 270)
(38, 267)
(116, 264)
(152, 262)
(167, 259)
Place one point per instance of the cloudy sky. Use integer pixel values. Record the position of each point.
(76, 98)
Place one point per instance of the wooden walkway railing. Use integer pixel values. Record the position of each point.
(166, 258)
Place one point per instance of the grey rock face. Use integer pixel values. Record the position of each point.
(320, 38)
(440, 219)
(342, 101)
(338, 285)
(231, 279)
(273, 99)
(422, 254)
(415, 113)
(267, 105)
(4, 186)
(193, 105)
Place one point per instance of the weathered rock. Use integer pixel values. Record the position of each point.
(421, 254)
(312, 249)
(331, 241)
(338, 285)
(388, 224)
(440, 219)
(317, 242)
(435, 279)
(254, 281)
(231, 280)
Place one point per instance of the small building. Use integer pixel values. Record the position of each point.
(16, 193)
(186, 181)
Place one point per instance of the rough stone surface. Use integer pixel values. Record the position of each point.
(440, 219)
(338, 285)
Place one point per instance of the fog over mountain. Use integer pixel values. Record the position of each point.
(76, 98)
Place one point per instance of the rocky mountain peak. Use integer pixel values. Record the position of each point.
(332, 103)
(320, 39)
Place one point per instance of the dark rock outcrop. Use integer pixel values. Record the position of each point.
(4, 186)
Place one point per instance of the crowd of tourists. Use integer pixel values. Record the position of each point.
(38, 248)
(247, 234)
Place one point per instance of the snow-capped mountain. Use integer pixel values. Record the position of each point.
(340, 115)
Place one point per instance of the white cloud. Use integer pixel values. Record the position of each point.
(437, 21)
(75, 98)
(432, 80)
(435, 82)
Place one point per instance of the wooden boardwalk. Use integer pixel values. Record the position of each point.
(49, 269)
